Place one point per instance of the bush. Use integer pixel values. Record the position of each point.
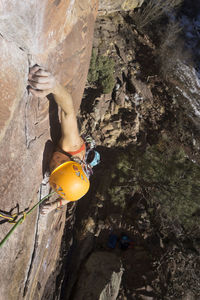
(168, 53)
(153, 10)
(166, 175)
(101, 72)
(172, 50)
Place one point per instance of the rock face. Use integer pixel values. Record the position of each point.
(102, 271)
(118, 117)
(57, 34)
(109, 6)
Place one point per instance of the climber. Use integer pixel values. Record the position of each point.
(73, 160)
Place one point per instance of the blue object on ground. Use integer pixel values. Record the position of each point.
(112, 241)
(125, 242)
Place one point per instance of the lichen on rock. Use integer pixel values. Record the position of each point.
(109, 6)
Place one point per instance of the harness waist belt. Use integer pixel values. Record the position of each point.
(77, 151)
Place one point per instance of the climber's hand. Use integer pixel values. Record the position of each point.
(41, 82)
(47, 208)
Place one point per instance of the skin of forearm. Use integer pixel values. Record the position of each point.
(70, 139)
(64, 99)
(70, 134)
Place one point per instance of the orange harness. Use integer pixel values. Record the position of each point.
(77, 151)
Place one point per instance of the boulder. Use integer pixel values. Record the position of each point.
(58, 35)
(100, 277)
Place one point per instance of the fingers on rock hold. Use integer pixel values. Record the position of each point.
(39, 71)
(34, 69)
(39, 86)
(38, 93)
(39, 79)
(42, 72)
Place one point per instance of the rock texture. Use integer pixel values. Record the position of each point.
(141, 114)
(138, 114)
(104, 272)
(58, 35)
(109, 6)
(119, 117)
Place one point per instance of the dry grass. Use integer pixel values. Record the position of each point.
(172, 50)
(153, 10)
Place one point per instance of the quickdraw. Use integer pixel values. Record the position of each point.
(20, 221)
(4, 216)
(86, 165)
(11, 217)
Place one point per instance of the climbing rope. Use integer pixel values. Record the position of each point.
(21, 220)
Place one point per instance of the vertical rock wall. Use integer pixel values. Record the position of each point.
(57, 34)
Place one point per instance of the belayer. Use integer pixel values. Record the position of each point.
(74, 157)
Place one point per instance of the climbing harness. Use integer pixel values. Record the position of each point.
(21, 220)
(96, 159)
(88, 165)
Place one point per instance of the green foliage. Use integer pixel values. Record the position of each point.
(166, 175)
(93, 73)
(101, 72)
(118, 196)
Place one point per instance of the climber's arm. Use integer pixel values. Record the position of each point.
(47, 208)
(70, 139)
(43, 83)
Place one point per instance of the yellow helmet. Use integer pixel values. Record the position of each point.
(69, 181)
